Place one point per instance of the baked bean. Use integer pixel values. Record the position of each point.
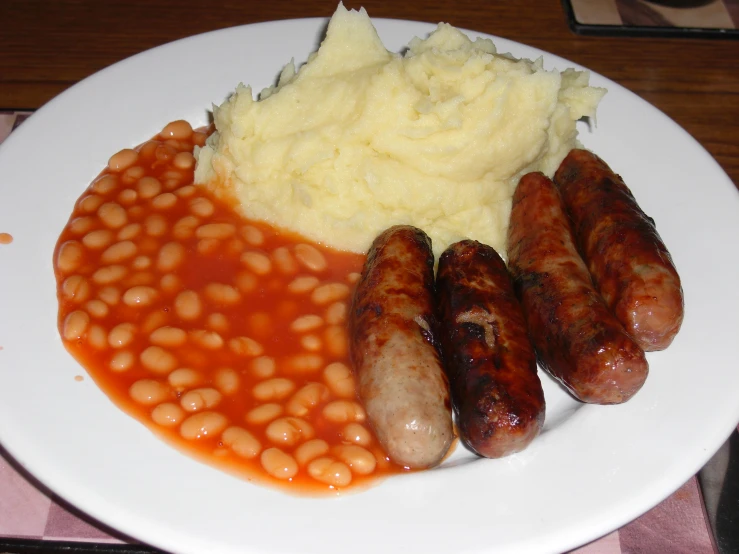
(186, 191)
(227, 381)
(329, 471)
(263, 414)
(284, 261)
(112, 215)
(70, 257)
(330, 292)
(257, 262)
(312, 343)
(110, 295)
(90, 204)
(247, 282)
(140, 296)
(164, 153)
(148, 149)
(119, 252)
(178, 130)
(343, 411)
(141, 262)
(242, 442)
(185, 227)
(76, 324)
(289, 431)
(336, 313)
(171, 337)
(127, 197)
(202, 207)
(148, 392)
(97, 308)
(252, 235)
(184, 160)
(273, 389)
(337, 343)
(310, 257)
(187, 305)
(199, 399)
(184, 378)
(157, 360)
(278, 464)
(353, 277)
(81, 225)
(121, 335)
(164, 201)
(129, 232)
(105, 184)
(310, 450)
(218, 231)
(307, 398)
(167, 414)
(109, 274)
(304, 363)
(356, 433)
(97, 337)
(153, 321)
(234, 247)
(122, 360)
(155, 225)
(306, 323)
(208, 246)
(76, 288)
(133, 174)
(149, 187)
(206, 339)
(263, 367)
(148, 245)
(244, 346)
(138, 279)
(203, 424)
(99, 239)
(303, 284)
(218, 322)
(170, 283)
(123, 159)
(136, 212)
(360, 460)
(340, 380)
(170, 256)
(222, 294)
(199, 138)
(260, 324)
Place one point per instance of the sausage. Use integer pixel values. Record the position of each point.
(630, 264)
(491, 365)
(394, 350)
(577, 339)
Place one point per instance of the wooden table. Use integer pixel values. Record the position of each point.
(47, 46)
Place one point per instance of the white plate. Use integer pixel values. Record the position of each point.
(592, 470)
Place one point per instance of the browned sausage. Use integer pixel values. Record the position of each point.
(488, 357)
(577, 338)
(629, 262)
(394, 351)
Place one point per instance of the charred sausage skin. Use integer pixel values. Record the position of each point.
(491, 365)
(394, 350)
(577, 339)
(630, 264)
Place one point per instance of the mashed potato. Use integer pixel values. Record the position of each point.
(360, 138)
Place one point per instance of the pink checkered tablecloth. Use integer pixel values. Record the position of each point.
(32, 519)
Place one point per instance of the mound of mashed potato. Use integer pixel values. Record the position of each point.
(360, 138)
